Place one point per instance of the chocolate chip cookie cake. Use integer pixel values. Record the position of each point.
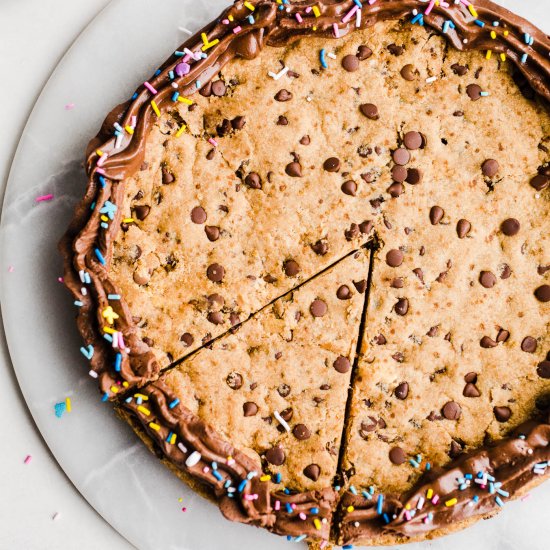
(312, 265)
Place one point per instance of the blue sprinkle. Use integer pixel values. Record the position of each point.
(479, 23)
(102, 181)
(171, 75)
(214, 465)
(135, 96)
(242, 485)
(78, 303)
(251, 19)
(104, 397)
(445, 27)
(118, 127)
(503, 493)
(139, 400)
(277, 477)
(99, 256)
(198, 84)
(414, 463)
(526, 37)
(323, 59)
(227, 484)
(169, 437)
(524, 57)
(60, 409)
(104, 225)
(172, 404)
(289, 538)
(418, 18)
(179, 54)
(314, 510)
(117, 133)
(463, 486)
(428, 466)
(251, 475)
(496, 24)
(113, 296)
(288, 508)
(300, 538)
(358, 4)
(87, 352)
(371, 489)
(476, 498)
(347, 547)
(286, 491)
(337, 487)
(217, 475)
(157, 72)
(498, 500)
(469, 476)
(128, 400)
(380, 504)
(175, 96)
(368, 496)
(108, 337)
(87, 278)
(386, 518)
(353, 490)
(92, 206)
(118, 362)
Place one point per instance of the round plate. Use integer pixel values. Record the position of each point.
(100, 454)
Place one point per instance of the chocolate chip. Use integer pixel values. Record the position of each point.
(529, 344)
(503, 335)
(350, 63)
(167, 176)
(234, 319)
(318, 308)
(301, 432)
(320, 247)
(397, 283)
(502, 414)
(399, 173)
(397, 456)
(349, 188)
(506, 271)
(363, 52)
(460, 70)
(540, 182)
(366, 227)
(455, 450)
(394, 258)
(253, 181)
(332, 164)
(542, 293)
(396, 50)
(313, 471)
(488, 343)
(343, 292)
(451, 410)
(215, 317)
(473, 91)
(401, 391)
(510, 227)
(470, 390)
(395, 190)
(275, 456)
(401, 156)
(250, 408)
(413, 140)
(471, 377)
(342, 364)
(283, 95)
(234, 380)
(463, 228)
(238, 123)
(436, 214)
(370, 111)
(543, 369)
(409, 73)
(282, 121)
(294, 170)
(215, 273)
(414, 176)
(283, 390)
(305, 140)
(360, 286)
(187, 339)
(218, 88)
(402, 306)
(212, 232)
(198, 215)
(490, 168)
(487, 279)
(142, 211)
(291, 268)
(141, 278)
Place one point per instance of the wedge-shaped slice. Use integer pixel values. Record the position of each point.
(276, 388)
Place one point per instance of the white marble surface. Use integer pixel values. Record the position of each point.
(111, 469)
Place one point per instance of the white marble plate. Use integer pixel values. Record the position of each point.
(107, 464)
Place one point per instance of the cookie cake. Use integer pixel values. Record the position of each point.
(312, 265)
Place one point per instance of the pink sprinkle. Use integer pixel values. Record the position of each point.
(69, 107)
(237, 30)
(121, 341)
(225, 21)
(184, 509)
(102, 159)
(277, 505)
(350, 14)
(28, 458)
(293, 506)
(299, 18)
(435, 499)
(308, 9)
(206, 469)
(371, 2)
(101, 171)
(11, 269)
(43, 198)
(430, 7)
(152, 90)
(302, 516)
(407, 515)
(251, 497)
(213, 142)
(336, 29)
(134, 121)
(60, 280)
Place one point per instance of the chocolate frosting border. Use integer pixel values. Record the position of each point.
(121, 360)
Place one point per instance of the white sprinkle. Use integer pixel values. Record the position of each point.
(308, 98)
(93, 374)
(84, 291)
(276, 76)
(331, 55)
(431, 79)
(193, 459)
(182, 447)
(281, 421)
(186, 31)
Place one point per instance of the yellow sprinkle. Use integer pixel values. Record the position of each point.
(230, 17)
(488, 54)
(314, 28)
(129, 129)
(125, 384)
(317, 524)
(267, 477)
(180, 499)
(350, 509)
(154, 426)
(155, 108)
(493, 35)
(408, 507)
(473, 11)
(143, 410)
(209, 45)
(114, 389)
(172, 439)
(204, 38)
(109, 330)
(144, 397)
(506, 33)
(503, 56)
(430, 493)
(104, 218)
(99, 152)
(110, 314)
(451, 502)
(185, 100)
(68, 404)
(128, 220)
(181, 130)
(316, 11)
(249, 6)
